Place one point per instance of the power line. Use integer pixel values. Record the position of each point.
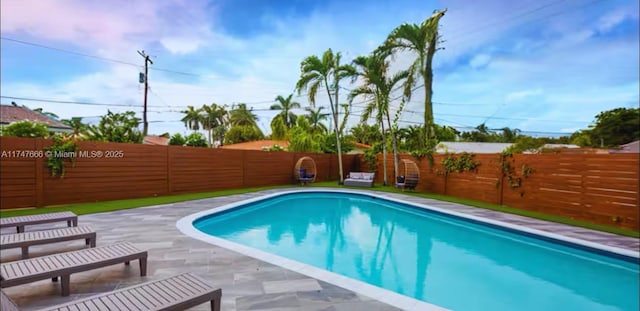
(464, 32)
(66, 102)
(70, 52)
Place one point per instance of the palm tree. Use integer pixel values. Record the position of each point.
(192, 119)
(326, 73)
(214, 120)
(315, 118)
(285, 104)
(421, 39)
(509, 135)
(365, 133)
(378, 87)
(279, 130)
(241, 116)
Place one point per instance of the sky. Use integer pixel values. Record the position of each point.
(546, 68)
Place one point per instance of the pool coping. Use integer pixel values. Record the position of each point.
(185, 225)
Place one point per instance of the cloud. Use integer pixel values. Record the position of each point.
(181, 45)
(109, 27)
(520, 95)
(480, 60)
(616, 17)
(497, 65)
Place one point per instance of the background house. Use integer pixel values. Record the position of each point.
(10, 114)
(632, 147)
(258, 145)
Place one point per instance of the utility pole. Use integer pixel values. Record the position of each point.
(146, 89)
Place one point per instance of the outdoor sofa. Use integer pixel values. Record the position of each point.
(359, 179)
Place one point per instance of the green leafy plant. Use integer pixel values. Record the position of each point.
(177, 140)
(509, 172)
(275, 147)
(464, 162)
(196, 139)
(371, 157)
(117, 128)
(26, 129)
(63, 150)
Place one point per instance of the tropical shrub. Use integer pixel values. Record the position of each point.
(177, 140)
(196, 139)
(26, 129)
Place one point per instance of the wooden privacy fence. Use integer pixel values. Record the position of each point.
(111, 171)
(600, 188)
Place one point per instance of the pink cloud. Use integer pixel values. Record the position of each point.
(104, 25)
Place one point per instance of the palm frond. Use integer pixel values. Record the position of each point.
(313, 90)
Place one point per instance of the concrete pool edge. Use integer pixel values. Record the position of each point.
(185, 225)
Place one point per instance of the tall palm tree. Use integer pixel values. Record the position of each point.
(326, 73)
(240, 115)
(192, 119)
(422, 40)
(286, 105)
(214, 120)
(411, 136)
(509, 135)
(378, 86)
(315, 118)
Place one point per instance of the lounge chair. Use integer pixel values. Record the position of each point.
(174, 293)
(64, 264)
(20, 221)
(26, 239)
(359, 179)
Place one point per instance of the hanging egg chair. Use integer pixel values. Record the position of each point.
(305, 170)
(410, 174)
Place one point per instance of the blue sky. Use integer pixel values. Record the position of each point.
(544, 67)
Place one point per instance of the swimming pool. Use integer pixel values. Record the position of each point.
(441, 259)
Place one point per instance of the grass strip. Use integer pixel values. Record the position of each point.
(108, 206)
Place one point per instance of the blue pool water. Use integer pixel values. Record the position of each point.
(440, 259)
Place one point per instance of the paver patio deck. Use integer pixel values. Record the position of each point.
(247, 283)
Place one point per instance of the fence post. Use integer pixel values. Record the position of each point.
(168, 171)
(501, 180)
(40, 174)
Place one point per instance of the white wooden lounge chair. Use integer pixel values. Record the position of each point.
(26, 239)
(20, 221)
(174, 293)
(64, 264)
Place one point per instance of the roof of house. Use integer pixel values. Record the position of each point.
(156, 140)
(361, 145)
(478, 147)
(10, 114)
(472, 147)
(257, 145)
(632, 147)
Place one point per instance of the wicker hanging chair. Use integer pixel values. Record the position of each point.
(410, 174)
(305, 170)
